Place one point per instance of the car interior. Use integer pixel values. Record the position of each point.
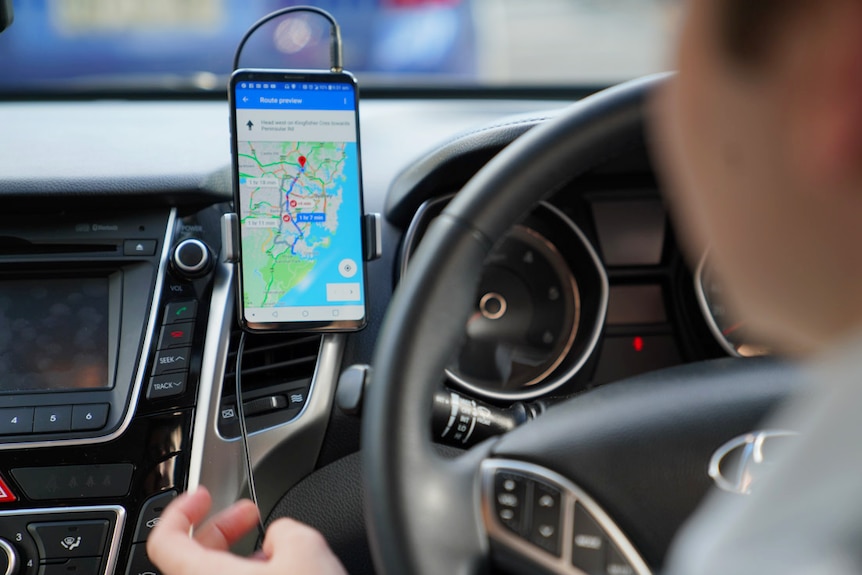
(544, 383)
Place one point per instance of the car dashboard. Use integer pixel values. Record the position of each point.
(112, 267)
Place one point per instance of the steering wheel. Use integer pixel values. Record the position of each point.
(598, 484)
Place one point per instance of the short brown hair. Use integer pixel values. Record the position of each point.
(748, 25)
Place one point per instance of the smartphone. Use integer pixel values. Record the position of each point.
(298, 195)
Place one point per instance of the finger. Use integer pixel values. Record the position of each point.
(184, 512)
(228, 526)
(172, 532)
(293, 547)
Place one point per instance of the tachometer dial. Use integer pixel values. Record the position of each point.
(538, 312)
(731, 331)
(527, 314)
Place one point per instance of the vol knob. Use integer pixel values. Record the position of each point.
(8, 558)
(191, 258)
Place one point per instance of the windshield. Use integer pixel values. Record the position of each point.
(189, 44)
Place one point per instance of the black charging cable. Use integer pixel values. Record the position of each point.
(243, 432)
(336, 63)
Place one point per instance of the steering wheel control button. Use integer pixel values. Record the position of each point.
(16, 420)
(68, 539)
(175, 336)
(52, 419)
(139, 247)
(542, 516)
(617, 564)
(75, 481)
(172, 360)
(180, 311)
(8, 558)
(589, 544)
(547, 517)
(88, 417)
(510, 501)
(169, 385)
(151, 512)
(139, 561)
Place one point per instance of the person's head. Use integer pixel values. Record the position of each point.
(760, 137)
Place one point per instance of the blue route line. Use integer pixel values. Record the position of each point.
(287, 210)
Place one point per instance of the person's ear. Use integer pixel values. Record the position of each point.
(824, 107)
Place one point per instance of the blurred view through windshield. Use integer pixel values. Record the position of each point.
(187, 44)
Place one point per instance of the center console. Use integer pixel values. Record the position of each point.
(101, 340)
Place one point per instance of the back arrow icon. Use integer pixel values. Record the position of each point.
(244, 99)
(250, 125)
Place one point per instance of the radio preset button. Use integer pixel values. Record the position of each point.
(52, 419)
(180, 311)
(16, 420)
(166, 385)
(87, 417)
(172, 360)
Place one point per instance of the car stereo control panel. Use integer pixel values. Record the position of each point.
(102, 328)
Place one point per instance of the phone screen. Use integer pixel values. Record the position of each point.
(298, 195)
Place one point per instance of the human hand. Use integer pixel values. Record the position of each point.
(289, 547)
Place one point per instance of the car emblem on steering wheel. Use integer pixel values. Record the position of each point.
(738, 464)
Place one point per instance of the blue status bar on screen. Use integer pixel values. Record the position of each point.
(296, 96)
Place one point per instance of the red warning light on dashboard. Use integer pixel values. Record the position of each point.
(638, 343)
(177, 334)
(6, 495)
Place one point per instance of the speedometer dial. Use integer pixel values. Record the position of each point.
(731, 331)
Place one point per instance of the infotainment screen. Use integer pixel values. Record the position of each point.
(54, 334)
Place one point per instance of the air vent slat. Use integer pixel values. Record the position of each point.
(271, 359)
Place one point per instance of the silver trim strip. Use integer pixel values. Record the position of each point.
(116, 538)
(541, 389)
(215, 461)
(140, 373)
(707, 313)
(571, 494)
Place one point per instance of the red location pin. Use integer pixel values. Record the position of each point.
(292, 203)
(302, 161)
(285, 218)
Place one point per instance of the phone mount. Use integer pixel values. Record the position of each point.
(372, 236)
(372, 224)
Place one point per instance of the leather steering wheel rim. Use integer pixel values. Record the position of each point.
(421, 509)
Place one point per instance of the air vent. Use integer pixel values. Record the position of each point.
(271, 359)
(277, 370)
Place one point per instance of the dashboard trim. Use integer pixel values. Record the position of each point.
(215, 461)
(140, 371)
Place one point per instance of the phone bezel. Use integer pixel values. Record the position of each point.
(248, 75)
